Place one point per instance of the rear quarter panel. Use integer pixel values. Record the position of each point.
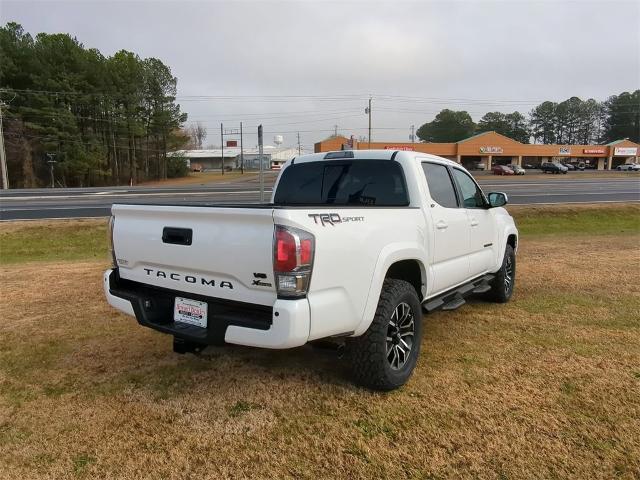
(351, 260)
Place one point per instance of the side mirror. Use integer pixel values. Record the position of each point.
(498, 199)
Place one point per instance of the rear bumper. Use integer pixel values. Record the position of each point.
(285, 325)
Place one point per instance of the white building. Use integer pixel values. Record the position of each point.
(211, 159)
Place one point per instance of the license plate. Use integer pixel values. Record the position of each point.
(189, 311)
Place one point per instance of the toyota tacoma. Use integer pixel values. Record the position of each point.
(352, 248)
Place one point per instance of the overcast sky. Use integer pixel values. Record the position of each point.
(477, 56)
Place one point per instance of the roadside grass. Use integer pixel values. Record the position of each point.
(49, 240)
(547, 386)
(570, 220)
(64, 240)
(200, 178)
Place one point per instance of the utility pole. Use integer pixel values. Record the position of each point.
(299, 148)
(222, 147)
(368, 111)
(260, 149)
(241, 151)
(335, 130)
(51, 163)
(413, 136)
(3, 157)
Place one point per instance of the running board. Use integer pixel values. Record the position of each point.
(454, 298)
(453, 304)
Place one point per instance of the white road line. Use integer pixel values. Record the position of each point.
(573, 194)
(51, 218)
(573, 203)
(172, 194)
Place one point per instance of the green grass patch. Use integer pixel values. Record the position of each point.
(241, 407)
(81, 462)
(53, 241)
(572, 220)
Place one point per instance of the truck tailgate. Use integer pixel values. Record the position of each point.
(220, 252)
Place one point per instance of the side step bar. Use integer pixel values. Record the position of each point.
(453, 299)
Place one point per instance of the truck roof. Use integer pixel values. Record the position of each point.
(370, 155)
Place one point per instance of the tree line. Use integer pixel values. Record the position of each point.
(102, 120)
(573, 121)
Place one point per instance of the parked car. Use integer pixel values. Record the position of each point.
(530, 166)
(552, 167)
(628, 167)
(591, 166)
(581, 166)
(517, 169)
(502, 170)
(353, 247)
(570, 166)
(479, 166)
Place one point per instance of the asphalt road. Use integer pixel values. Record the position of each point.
(96, 202)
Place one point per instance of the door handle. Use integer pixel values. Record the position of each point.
(441, 225)
(474, 222)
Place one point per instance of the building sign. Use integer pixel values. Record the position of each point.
(626, 151)
(490, 149)
(565, 151)
(594, 151)
(232, 143)
(407, 148)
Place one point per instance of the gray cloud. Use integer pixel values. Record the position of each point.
(483, 56)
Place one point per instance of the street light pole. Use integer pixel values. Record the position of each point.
(260, 150)
(368, 110)
(241, 151)
(3, 157)
(51, 163)
(222, 147)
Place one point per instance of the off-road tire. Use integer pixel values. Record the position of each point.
(367, 354)
(500, 292)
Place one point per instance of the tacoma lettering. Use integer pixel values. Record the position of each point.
(187, 278)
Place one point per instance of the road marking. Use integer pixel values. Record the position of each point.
(572, 194)
(155, 194)
(572, 203)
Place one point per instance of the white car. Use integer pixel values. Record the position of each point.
(353, 246)
(629, 167)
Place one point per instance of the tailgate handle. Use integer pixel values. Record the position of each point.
(177, 236)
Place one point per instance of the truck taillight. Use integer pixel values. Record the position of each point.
(293, 251)
(112, 252)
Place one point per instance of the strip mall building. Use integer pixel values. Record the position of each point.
(491, 148)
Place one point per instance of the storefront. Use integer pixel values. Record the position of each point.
(486, 149)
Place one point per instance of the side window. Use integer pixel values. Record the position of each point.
(440, 185)
(472, 196)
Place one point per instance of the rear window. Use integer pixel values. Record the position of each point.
(362, 182)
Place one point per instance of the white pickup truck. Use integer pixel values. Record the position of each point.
(353, 246)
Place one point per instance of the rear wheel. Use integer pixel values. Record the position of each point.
(504, 282)
(384, 357)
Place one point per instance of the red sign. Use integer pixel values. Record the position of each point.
(596, 151)
(406, 148)
(232, 143)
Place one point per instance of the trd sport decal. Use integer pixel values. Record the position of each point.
(333, 218)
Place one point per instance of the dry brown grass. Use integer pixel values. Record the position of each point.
(547, 386)
(199, 178)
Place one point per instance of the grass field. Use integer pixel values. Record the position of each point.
(547, 386)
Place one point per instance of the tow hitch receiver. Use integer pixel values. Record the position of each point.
(180, 345)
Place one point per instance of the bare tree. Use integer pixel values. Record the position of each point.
(198, 133)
